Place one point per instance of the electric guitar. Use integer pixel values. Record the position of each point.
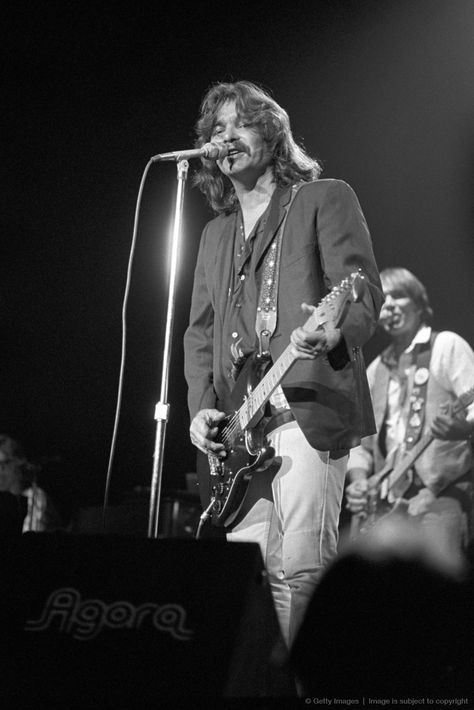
(387, 487)
(242, 432)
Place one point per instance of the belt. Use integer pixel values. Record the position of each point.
(282, 417)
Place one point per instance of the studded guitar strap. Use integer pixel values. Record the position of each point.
(416, 410)
(266, 319)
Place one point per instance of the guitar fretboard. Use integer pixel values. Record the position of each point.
(464, 401)
(263, 391)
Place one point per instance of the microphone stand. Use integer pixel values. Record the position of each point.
(162, 408)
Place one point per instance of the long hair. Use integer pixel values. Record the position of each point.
(399, 279)
(290, 162)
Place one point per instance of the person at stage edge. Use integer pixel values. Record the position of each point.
(322, 407)
(24, 505)
(416, 384)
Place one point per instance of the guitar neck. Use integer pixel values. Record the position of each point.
(410, 458)
(265, 388)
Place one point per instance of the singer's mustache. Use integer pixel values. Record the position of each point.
(238, 147)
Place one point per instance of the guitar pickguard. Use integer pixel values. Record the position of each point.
(229, 477)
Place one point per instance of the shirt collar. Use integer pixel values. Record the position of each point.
(422, 336)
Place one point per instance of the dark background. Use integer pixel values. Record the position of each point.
(381, 91)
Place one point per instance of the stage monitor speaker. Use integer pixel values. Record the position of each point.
(112, 619)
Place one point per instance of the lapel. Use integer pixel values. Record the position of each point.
(223, 254)
(280, 203)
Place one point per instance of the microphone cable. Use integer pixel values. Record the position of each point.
(118, 405)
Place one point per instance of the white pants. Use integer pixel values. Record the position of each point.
(294, 516)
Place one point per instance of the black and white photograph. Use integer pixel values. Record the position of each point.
(237, 403)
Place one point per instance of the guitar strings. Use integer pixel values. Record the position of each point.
(229, 430)
(233, 427)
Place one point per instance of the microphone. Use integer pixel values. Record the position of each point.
(211, 151)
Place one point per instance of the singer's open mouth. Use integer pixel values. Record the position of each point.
(395, 321)
(237, 147)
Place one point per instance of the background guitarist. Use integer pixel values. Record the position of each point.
(414, 384)
(323, 406)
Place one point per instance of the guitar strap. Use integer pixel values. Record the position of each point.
(266, 319)
(416, 409)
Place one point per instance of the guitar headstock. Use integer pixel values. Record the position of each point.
(358, 284)
(352, 287)
(332, 309)
(349, 290)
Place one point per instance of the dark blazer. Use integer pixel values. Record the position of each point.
(325, 239)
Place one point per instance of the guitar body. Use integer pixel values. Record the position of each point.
(397, 509)
(363, 523)
(377, 509)
(384, 493)
(247, 451)
(230, 477)
(377, 501)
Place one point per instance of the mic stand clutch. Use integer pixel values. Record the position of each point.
(162, 408)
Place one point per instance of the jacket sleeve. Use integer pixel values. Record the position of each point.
(198, 341)
(345, 247)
